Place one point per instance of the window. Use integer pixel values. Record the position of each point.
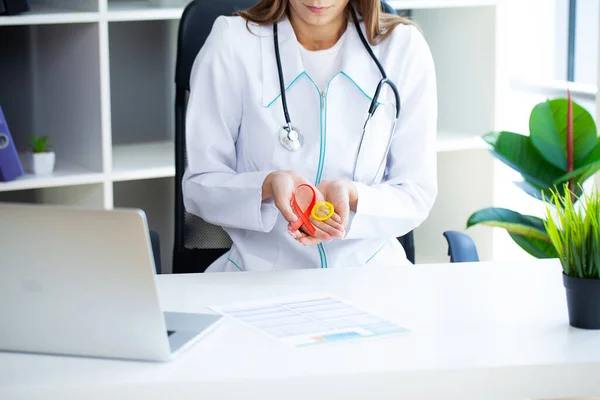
(582, 63)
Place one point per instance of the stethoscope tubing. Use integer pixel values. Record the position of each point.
(280, 73)
(374, 102)
(385, 80)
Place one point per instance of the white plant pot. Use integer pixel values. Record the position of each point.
(40, 163)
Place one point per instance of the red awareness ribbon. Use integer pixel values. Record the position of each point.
(303, 215)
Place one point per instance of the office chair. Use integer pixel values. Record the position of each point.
(196, 243)
(461, 248)
(155, 242)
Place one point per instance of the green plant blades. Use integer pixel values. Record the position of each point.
(575, 232)
(524, 225)
(535, 247)
(580, 174)
(518, 152)
(548, 130)
(39, 144)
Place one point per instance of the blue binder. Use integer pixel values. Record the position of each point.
(10, 164)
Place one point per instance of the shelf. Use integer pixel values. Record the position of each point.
(42, 14)
(65, 174)
(143, 161)
(141, 11)
(557, 88)
(451, 141)
(423, 4)
(130, 162)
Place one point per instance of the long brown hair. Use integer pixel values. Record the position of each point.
(378, 25)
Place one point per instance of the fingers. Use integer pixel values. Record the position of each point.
(344, 213)
(331, 227)
(309, 241)
(305, 239)
(325, 230)
(296, 234)
(336, 218)
(320, 235)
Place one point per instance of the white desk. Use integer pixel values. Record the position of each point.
(479, 331)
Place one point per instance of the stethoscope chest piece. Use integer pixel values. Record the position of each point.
(291, 138)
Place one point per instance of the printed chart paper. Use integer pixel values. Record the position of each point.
(309, 319)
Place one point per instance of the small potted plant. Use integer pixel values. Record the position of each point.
(573, 225)
(40, 160)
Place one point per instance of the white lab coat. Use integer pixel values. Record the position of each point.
(234, 115)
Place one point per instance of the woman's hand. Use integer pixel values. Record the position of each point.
(280, 185)
(344, 197)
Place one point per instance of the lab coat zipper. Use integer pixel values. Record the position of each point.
(323, 95)
(323, 128)
(323, 99)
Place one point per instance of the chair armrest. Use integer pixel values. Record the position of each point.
(461, 248)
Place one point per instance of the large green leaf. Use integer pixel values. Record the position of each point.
(533, 190)
(592, 156)
(545, 135)
(535, 247)
(512, 221)
(491, 138)
(548, 130)
(589, 166)
(518, 152)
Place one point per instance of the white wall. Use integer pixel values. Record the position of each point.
(588, 30)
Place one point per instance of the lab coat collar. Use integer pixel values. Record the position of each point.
(356, 64)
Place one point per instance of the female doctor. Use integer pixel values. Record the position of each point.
(328, 93)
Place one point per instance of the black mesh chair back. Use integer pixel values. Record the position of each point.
(196, 243)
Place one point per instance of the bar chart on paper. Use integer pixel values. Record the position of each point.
(310, 319)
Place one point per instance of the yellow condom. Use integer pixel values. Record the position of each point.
(322, 211)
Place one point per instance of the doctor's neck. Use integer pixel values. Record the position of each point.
(318, 36)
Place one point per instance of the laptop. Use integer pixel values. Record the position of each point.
(82, 282)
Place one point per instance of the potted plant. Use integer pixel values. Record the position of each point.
(561, 151)
(40, 160)
(573, 225)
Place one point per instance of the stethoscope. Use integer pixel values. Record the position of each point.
(292, 139)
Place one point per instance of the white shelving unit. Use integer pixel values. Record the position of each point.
(42, 14)
(143, 161)
(140, 11)
(97, 76)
